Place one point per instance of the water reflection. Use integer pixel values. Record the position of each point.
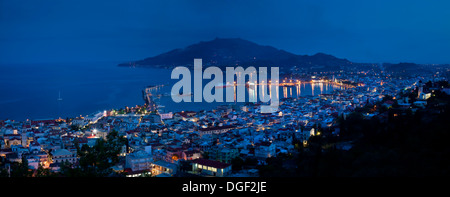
(295, 91)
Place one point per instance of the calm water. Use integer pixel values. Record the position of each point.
(32, 91)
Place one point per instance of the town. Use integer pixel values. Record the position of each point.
(228, 141)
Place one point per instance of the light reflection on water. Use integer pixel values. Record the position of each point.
(253, 93)
(31, 91)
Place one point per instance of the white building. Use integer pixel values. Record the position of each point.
(265, 150)
(63, 155)
(138, 161)
(211, 167)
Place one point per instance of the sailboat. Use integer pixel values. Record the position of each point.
(59, 96)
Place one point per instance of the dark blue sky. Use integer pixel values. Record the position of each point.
(86, 30)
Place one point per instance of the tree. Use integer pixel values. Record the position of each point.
(20, 169)
(42, 172)
(75, 127)
(4, 172)
(184, 165)
(97, 160)
(406, 145)
(237, 163)
(205, 155)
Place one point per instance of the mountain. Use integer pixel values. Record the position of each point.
(408, 69)
(223, 52)
(402, 66)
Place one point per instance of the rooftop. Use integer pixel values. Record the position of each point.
(60, 152)
(211, 163)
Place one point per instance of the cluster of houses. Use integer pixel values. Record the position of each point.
(160, 144)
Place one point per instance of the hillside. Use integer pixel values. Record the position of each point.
(237, 52)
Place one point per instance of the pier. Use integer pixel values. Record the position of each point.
(291, 83)
(147, 94)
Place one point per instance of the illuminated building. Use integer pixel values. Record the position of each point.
(210, 167)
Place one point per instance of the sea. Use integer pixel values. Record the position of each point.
(61, 90)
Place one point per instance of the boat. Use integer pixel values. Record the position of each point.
(222, 85)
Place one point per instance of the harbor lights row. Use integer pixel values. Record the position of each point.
(201, 92)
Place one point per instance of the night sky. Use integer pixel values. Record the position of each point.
(86, 31)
